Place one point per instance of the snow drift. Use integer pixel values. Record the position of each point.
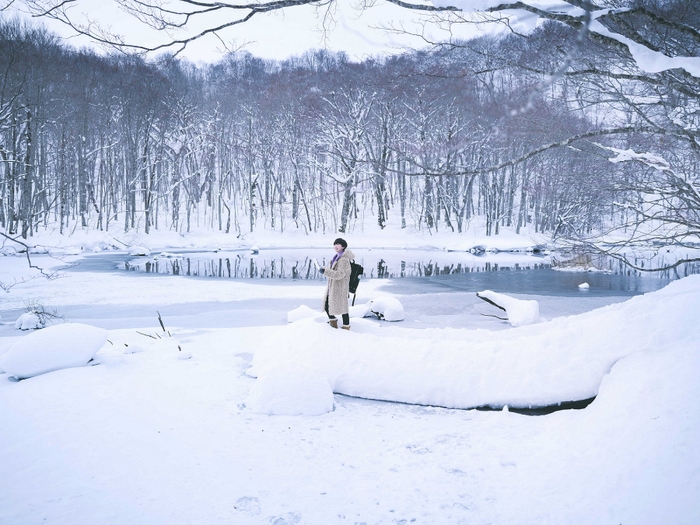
(292, 389)
(536, 365)
(53, 348)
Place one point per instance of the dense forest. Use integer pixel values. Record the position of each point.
(500, 132)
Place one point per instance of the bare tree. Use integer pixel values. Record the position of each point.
(556, 128)
(343, 127)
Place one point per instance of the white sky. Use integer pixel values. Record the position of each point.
(280, 34)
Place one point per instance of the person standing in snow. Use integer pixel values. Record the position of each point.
(335, 300)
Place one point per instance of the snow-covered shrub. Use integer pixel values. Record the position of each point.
(36, 317)
(56, 347)
(28, 321)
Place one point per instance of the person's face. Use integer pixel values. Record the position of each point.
(338, 248)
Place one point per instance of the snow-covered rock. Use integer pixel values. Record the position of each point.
(28, 321)
(584, 286)
(519, 312)
(290, 388)
(139, 251)
(387, 308)
(56, 347)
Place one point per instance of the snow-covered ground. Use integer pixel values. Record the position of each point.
(146, 434)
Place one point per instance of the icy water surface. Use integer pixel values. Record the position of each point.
(412, 271)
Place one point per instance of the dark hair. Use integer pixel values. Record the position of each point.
(341, 242)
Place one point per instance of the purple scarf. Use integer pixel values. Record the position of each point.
(336, 257)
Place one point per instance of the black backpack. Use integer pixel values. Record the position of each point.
(355, 272)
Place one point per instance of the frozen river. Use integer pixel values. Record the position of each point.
(436, 288)
(411, 271)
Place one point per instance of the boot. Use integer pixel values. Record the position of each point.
(346, 327)
(333, 323)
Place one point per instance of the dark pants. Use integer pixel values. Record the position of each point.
(346, 317)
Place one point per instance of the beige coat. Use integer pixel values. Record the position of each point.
(338, 283)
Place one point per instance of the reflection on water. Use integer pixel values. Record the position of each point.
(683, 270)
(236, 267)
(430, 268)
(277, 266)
(425, 270)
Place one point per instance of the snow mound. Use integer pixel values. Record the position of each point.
(28, 321)
(292, 389)
(584, 286)
(139, 251)
(302, 312)
(361, 310)
(387, 308)
(61, 346)
(537, 365)
(520, 312)
(133, 349)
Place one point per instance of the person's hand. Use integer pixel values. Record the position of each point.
(322, 270)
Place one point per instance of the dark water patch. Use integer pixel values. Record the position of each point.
(526, 411)
(535, 281)
(543, 410)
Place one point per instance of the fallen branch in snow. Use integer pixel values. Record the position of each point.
(491, 315)
(160, 320)
(490, 302)
(494, 304)
(519, 312)
(147, 335)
